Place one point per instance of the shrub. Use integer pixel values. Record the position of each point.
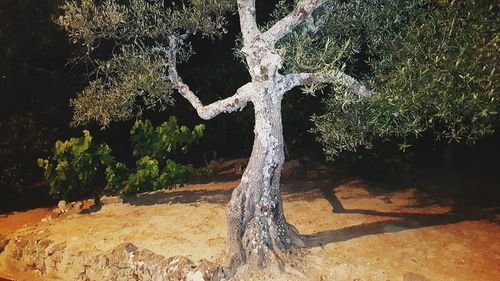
(73, 169)
(80, 168)
(165, 140)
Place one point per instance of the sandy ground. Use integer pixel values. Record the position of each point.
(352, 230)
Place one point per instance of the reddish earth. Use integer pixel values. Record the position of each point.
(11, 222)
(353, 231)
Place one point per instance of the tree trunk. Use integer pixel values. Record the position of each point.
(258, 234)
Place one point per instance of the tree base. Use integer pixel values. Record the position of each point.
(274, 247)
(281, 265)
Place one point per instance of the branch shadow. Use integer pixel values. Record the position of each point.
(293, 192)
(219, 178)
(396, 222)
(219, 196)
(181, 197)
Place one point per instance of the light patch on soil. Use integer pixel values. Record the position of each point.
(353, 232)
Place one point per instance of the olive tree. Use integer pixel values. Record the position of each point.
(370, 59)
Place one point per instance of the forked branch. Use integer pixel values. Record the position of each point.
(230, 104)
(235, 102)
(302, 11)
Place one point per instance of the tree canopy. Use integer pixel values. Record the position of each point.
(139, 33)
(431, 63)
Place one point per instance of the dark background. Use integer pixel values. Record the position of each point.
(37, 81)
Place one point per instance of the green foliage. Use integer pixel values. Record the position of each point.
(152, 146)
(433, 67)
(79, 167)
(133, 77)
(341, 33)
(150, 176)
(445, 69)
(89, 21)
(163, 140)
(432, 63)
(73, 169)
(127, 78)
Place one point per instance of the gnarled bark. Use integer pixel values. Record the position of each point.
(258, 233)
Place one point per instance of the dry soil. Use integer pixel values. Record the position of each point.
(353, 231)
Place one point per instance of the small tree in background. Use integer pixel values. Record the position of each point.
(387, 68)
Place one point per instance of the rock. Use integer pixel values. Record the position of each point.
(208, 269)
(62, 206)
(67, 207)
(60, 247)
(76, 207)
(195, 276)
(178, 267)
(3, 242)
(102, 261)
(122, 250)
(129, 247)
(47, 219)
(37, 253)
(42, 245)
(106, 200)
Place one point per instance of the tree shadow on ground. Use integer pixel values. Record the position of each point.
(219, 178)
(308, 189)
(222, 195)
(296, 191)
(396, 222)
(180, 197)
(293, 189)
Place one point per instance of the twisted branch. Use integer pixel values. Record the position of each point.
(237, 101)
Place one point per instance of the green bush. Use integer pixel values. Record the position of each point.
(164, 140)
(150, 176)
(80, 168)
(74, 168)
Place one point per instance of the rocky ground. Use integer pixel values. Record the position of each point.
(352, 229)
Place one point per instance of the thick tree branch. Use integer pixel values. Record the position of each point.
(248, 23)
(333, 77)
(230, 104)
(284, 26)
(236, 102)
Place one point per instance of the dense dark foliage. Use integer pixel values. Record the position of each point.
(35, 87)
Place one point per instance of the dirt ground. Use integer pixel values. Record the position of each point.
(352, 230)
